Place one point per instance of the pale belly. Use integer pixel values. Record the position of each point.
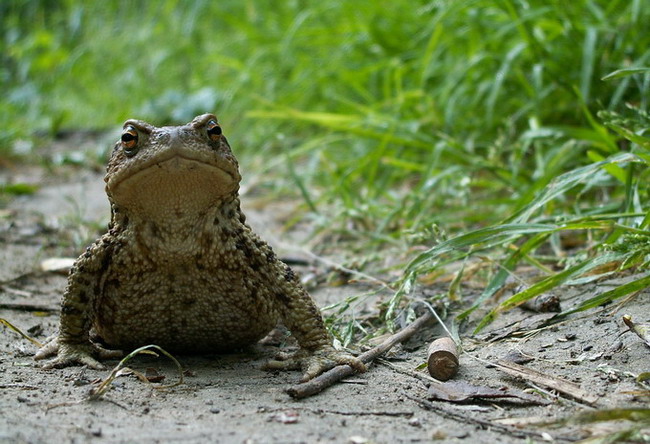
(181, 311)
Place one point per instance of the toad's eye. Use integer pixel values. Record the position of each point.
(214, 130)
(130, 141)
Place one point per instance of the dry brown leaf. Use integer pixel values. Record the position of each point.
(459, 391)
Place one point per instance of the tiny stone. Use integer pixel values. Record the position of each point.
(215, 410)
(79, 382)
(438, 435)
(517, 357)
(35, 330)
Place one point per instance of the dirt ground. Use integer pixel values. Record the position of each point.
(228, 398)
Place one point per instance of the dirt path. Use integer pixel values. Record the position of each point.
(229, 399)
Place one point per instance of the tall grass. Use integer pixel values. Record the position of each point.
(399, 123)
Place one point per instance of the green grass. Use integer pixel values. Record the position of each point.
(453, 127)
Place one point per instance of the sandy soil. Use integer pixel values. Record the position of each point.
(228, 398)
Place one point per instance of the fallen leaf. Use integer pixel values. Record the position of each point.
(459, 391)
(152, 375)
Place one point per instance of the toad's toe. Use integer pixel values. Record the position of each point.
(314, 363)
(67, 355)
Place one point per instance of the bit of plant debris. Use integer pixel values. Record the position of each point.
(562, 386)
(12, 327)
(104, 386)
(461, 391)
(641, 330)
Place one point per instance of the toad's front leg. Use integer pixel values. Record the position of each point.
(301, 316)
(72, 345)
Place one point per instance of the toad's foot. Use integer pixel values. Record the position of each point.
(74, 354)
(314, 363)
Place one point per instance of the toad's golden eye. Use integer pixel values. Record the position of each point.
(214, 130)
(130, 141)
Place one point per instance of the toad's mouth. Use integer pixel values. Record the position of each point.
(174, 185)
(181, 155)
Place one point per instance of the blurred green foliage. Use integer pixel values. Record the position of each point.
(467, 68)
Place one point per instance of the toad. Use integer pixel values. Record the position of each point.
(179, 267)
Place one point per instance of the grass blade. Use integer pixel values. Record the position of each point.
(565, 182)
(625, 72)
(545, 285)
(500, 277)
(611, 295)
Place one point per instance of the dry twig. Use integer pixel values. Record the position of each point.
(104, 386)
(10, 326)
(334, 375)
(562, 386)
(442, 361)
(484, 423)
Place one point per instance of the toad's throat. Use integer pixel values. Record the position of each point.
(173, 189)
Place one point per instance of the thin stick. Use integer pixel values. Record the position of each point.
(105, 385)
(562, 386)
(334, 375)
(20, 332)
(483, 423)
